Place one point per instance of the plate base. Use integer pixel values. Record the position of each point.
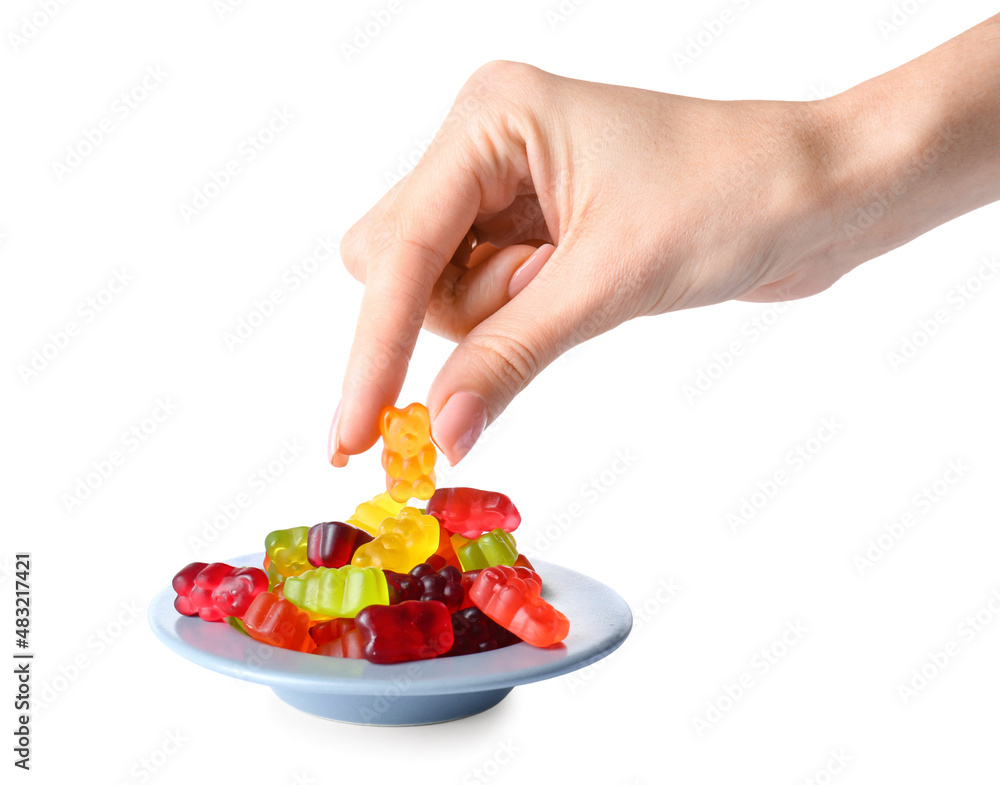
(393, 708)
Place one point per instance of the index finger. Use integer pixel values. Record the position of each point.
(403, 255)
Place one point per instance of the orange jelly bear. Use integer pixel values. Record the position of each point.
(408, 455)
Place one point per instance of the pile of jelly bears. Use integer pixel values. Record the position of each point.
(392, 583)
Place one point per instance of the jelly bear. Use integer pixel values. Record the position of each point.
(408, 631)
(471, 512)
(287, 549)
(337, 593)
(476, 632)
(408, 455)
(401, 543)
(493, 548)
(515, 604)
(215, 591)
(333, 544)
(270, 619)
(369, 515)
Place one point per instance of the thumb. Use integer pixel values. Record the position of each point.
(501, 355)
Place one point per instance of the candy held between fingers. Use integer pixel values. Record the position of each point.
(408, 455)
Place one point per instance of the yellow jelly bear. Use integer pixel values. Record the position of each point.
(369, 515)
(408, 455)
(401, 543)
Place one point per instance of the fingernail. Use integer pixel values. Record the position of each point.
(529, 269)
(459, 425)
(333, 442)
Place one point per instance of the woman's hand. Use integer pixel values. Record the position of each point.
(653, 203)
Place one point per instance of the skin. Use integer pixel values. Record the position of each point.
(654, 203)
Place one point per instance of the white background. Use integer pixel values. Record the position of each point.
(664, 518)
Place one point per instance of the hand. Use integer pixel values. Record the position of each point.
(641, 203)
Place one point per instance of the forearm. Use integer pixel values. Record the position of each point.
(915, 147)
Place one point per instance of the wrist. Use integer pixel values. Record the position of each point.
(912, 148)
(881, 156)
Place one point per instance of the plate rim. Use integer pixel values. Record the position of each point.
(285, 669)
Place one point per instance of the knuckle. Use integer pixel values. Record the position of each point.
(498, 86)
(502, 74)
(509, 361)
(351, 252)
(424, 256)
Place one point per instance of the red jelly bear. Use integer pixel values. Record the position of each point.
(333, 544)
(470, 512)
(338, 638)
(274, 620)
(512, 600)
(412, 630)
(214, 591)
(469, 580)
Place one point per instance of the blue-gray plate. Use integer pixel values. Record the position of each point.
(412, 693)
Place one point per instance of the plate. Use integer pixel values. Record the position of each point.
(409, 693)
